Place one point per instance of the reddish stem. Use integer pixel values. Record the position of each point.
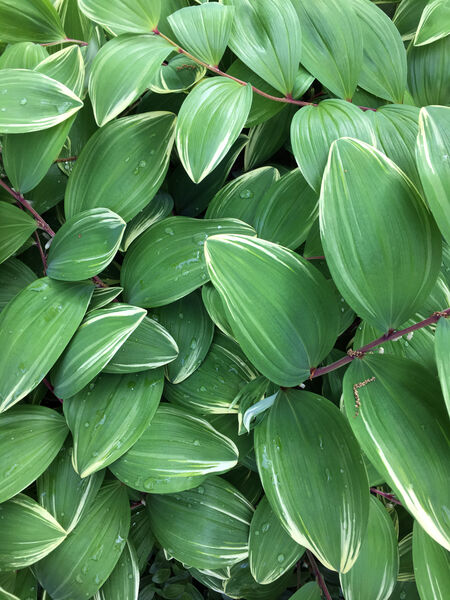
(318, 575)
(68, 159)
(314, 257)
(49, 386)
(40, 221)
(390, 497)
(65, 41)
(41, 252)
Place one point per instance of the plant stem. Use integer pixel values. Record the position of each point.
(65, 41)
(41, 252)
(215, 69)
(387, 337)
(390, 497)
(319, 578)
(40, 221)
(68, 159)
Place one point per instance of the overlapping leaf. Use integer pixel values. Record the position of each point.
(16, 226)
(22, 20)
(122, 16)
(442, 347)
(14, 276)
(431, 565)
(434, 23)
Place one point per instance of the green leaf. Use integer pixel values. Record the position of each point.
(175, 453)
(138, 58)
(158, 209)
(209, 122)
(203, 30)
(63, 494)
(433, 161)
(23, 55)
(122, 166)
(22, 20)
(241, 584)
(150, 346)
(123, 583)
(16, 226)
(174, 249)
(332, 43)
(407, 16)
(31, 101)
(110, 416)
(214, 385)
(287, 211)
(189, 324)
(85, 245)
(315, 128)
(365, 267)
(206, 528)
(431, 566)
(272, 551)
(214, 306)
(406, 569)
(427, 73)
(67, 67)
(30, 438)
(103, 296)
(400, 429)
(442, 348)
(26, 585)
(31, 354)
(121, 16)
(14, 276)
(383, 70)
(267, 37)
(434, 23)
(95, 342)
(27, 533)
(396, 127)
(374, 573)
(281, 309)
(307, 455)
(309, 591)
(84, 561)
(177, 74)
(141, 535)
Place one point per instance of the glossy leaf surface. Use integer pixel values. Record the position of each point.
(16, 226)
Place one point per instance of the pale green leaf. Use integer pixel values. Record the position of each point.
(122, 16)
(442, 347)
(25, 20)
(434, 23)
(428, 68)
(23, 55)
(16, 226)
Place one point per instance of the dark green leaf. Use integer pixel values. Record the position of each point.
(14, 276)
(16, 226)
(22, 20)
(431, 566)
(442, 354)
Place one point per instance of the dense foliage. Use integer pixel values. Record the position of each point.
(224, 291)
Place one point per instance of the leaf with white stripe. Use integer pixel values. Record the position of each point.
(209, 122)
(442, 349)
(16, 226)
(22, 20)
(122, 16)
(431, 566)
(31, 101)
(123, 583)
(434, 23)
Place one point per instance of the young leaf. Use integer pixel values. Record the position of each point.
(31, 351)
(434, 23)
(315, 128)
(209, 122)
(433, 161)
(95, 342)
(16, 226)
(31, 101)
(108, 418)
(138, 58)
(175, 453)
(123, 16)
(86, 558)
(272, 551)
(363, 256)
(281, 309)
(27, 533)
(204, 30)
(306, 455)
(30, 438)
(442, 348)
(332, 43)
(122, 166)
(431, 565)
(375, 571)
(85, 245)
(22, 20)
(174, 250)
(206, 527)
(400, 428)
(267, 36)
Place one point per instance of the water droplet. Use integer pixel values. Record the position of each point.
(23, 101)
(280, 558)
(87, 424)
(196, 442)
(169, 230)
(402, 595)
(265, 527)
(193, 344)
(409, 337)
(245, 194)
(79, 579)
(203, 388)
(321, 443)
(131, 385)
(328, 474)
(341, 471)
(119, 539)
(201, 489)
(3, 109)
(142, 163)
(63, 107)
(381, 350)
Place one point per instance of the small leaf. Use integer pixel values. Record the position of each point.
(376, 289)
(139, 16)
(204, 30)
(95, 342)
(214, 306)
(434, 23)
(61, 306)
(138, 58)
(30, 438)
(272, 551)
(209, 122)
(16, 226)
(174, 454)
(103, 296)
(206, 527)
(177, 74)
(431, 565)
(442, 348)
(141, 535)
(315, 128)
(31, 101)
(375, 571)
(158, 209)
(27, 533)
(306, 454)
(266, 36)
(109, 417)
(174, 249)
(22, 20)
(433, 161)
(281, 309)
(122, 166)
